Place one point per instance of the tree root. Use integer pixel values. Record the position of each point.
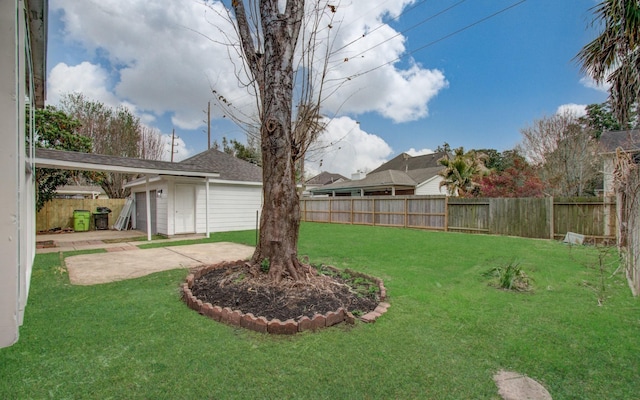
(291, 268)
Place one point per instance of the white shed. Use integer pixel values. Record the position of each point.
(182, 204)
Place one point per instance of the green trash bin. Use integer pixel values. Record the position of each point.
(81, 219)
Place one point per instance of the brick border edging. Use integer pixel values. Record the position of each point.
(275, 326)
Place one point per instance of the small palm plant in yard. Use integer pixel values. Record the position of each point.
(510, 277)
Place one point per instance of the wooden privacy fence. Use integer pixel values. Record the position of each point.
(525, 217)
(629, 231)
(58, 213)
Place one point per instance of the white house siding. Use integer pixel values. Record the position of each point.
(431, 187)
(17, 202)
(161, 206)
(233, 207)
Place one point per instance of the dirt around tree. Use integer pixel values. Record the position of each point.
(242, 288)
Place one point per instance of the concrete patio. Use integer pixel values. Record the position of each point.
(125, 260)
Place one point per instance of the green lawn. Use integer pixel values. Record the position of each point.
(447, 331)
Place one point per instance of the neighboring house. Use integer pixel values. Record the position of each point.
(323, 178)
(23, 44)
(405, 162)
(628, 142)
(80, 192)
(181, 204)
(403, 175)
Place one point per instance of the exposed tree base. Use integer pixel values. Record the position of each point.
(250, 290)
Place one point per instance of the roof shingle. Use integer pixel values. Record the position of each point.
(229, 167)
(627, 140)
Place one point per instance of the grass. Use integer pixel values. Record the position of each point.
(447, 331)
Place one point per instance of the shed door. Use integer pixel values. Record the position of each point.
(185, 209)
(141, 211)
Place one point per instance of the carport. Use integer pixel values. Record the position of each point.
(69, 160)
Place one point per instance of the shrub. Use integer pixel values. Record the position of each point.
(510, 277)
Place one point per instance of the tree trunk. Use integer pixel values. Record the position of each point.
(280, 220)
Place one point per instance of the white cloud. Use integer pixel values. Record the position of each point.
(166, 57)
(90, 80)
(366, 72)
(160, 50)
(86, 78)
(578, 110)
(180, 149)
(590, 83)
(344, 149)
(413, 152)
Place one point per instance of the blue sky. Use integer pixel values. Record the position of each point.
(476, 88)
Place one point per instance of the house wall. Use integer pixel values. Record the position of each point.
(431, 187)
(233, 207)
(17, 221)
(161, 206)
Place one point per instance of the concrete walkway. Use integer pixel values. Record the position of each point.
(124, 260)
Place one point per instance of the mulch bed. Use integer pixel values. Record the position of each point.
(235, 287)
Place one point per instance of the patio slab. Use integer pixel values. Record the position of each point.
(92, 269)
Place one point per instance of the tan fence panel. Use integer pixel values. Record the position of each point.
(524, 217)
(427, 212)
(58, 213)
(341, 210)
(593, 217)
(363, 211)
(390, 211)
(315, 210)
(468, 215)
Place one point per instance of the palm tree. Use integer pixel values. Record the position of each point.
(614, 56)
(460, 172)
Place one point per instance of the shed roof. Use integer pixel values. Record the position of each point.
(229, 167)
(48, 158)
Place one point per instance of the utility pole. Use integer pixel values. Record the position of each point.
(209, 124)
(173, 140)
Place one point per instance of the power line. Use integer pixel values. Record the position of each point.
(424, 21)
(438, 40)
(381, 25)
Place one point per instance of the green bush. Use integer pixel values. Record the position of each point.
(510, 277)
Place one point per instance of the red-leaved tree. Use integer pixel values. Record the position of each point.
(519, 180)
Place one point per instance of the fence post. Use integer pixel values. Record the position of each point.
(446, 213)
(351, 212)
(406, 212)
(373, 211)
(550, 216)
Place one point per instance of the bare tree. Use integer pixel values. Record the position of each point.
(284, 66)
(114, 132)
(562, 149)
(151, 146)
